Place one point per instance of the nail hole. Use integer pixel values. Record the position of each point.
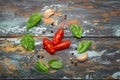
(71, 62)
(75, 48)
(52, 23)
(38, 56)
(42, 56)
(72, 53)
(52, 31)
(65, 17)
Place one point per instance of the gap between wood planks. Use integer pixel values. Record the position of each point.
(64, 36)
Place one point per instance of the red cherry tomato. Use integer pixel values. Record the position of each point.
(62, 45)
(48, 45)
(58, 36)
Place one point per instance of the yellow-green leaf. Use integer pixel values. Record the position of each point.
(33, 20)
(28, 42)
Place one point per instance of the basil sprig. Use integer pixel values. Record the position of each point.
(28, 42)
(76, 30)
(33, 20)
(56, 64)
(41, 67)
(83, 46)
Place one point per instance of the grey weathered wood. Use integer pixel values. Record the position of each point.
(103, 53)
(12, 21)
(100, 20)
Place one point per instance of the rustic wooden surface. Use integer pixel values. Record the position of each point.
(100, 20)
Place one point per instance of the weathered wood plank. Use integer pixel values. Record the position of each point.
(96, 18)
(103, 61)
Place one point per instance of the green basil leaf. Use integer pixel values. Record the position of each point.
(33, 20)
(83, 46)
(41, 67)
(28, 42)
(55, 64)
(76, 30)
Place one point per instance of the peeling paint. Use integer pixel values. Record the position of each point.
(118, 60)
(116, 75)
(117, 33)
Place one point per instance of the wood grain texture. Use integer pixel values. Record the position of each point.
(95, 17)
(103, 53)
(99, 20)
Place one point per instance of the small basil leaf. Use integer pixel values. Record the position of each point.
(80, 46)
(33, 20)
(55, 64)
(41, 67)
(76, 30)
(28, 42)
(83, 46)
